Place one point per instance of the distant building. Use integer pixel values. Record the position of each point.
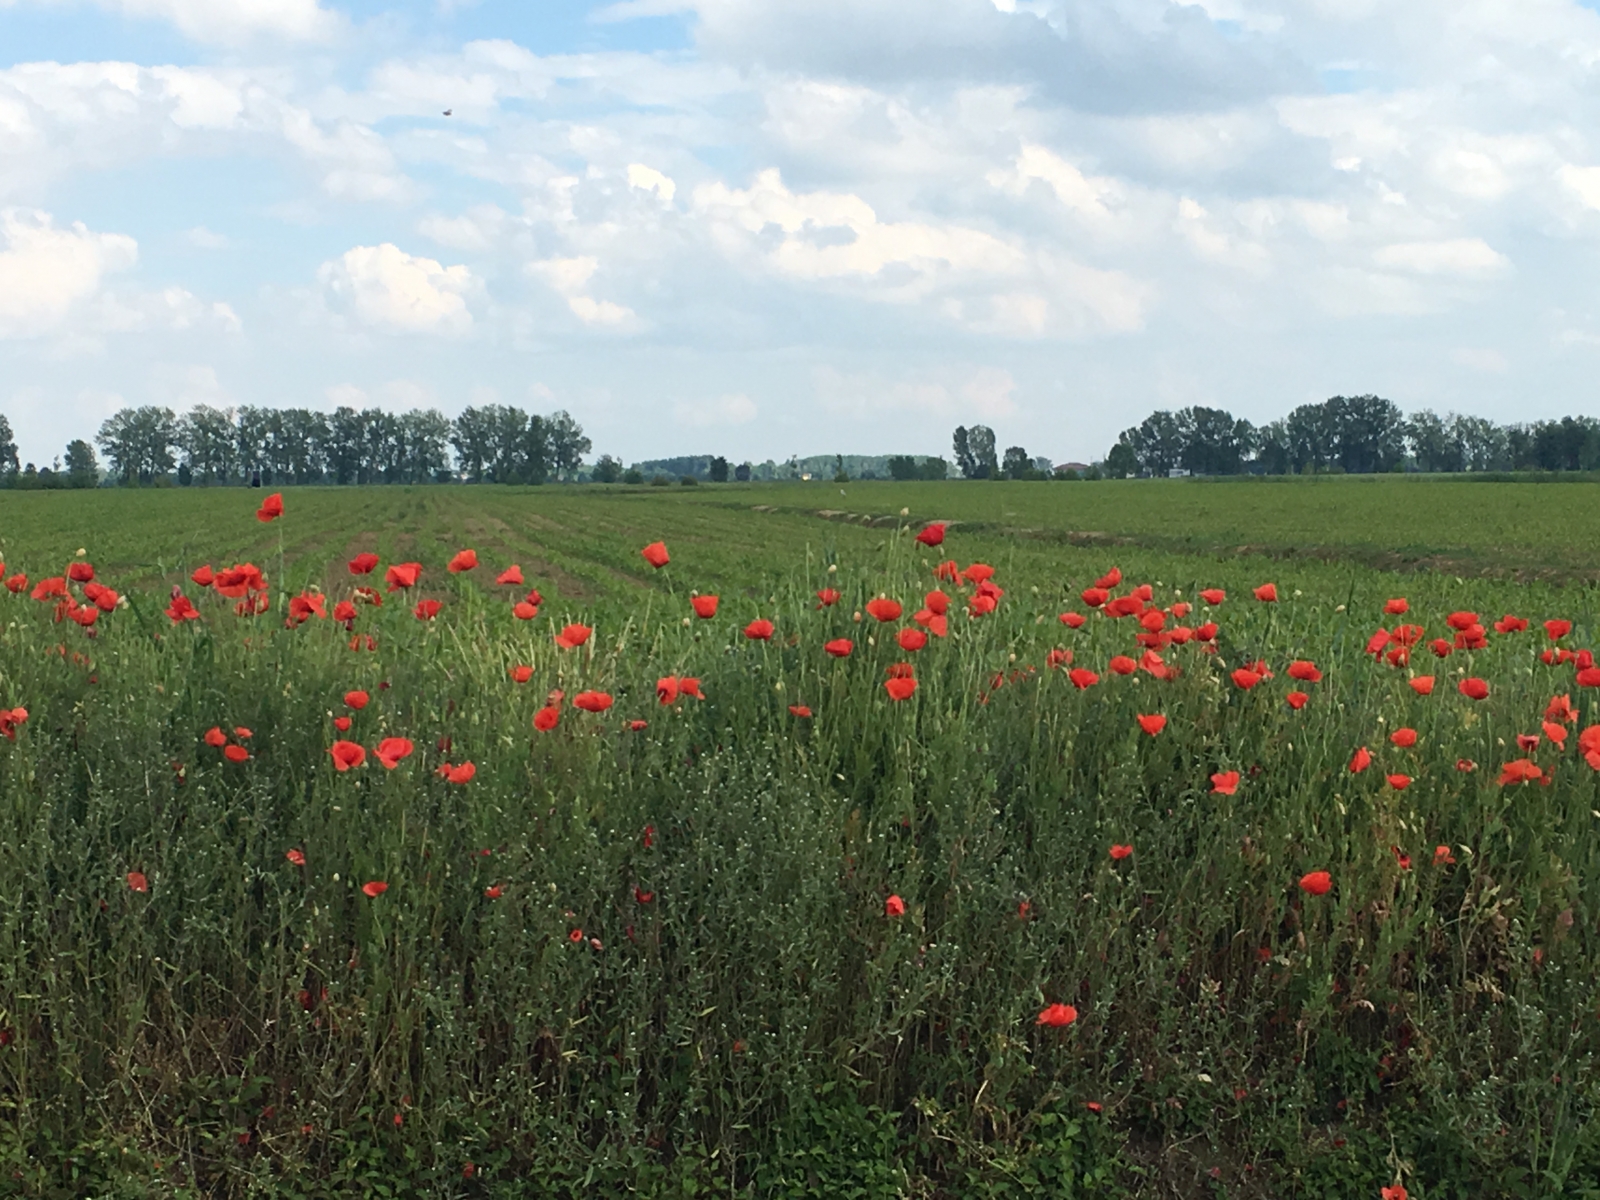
(1178, 473)
(1073, 466)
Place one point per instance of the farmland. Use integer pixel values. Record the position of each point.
(804, 932)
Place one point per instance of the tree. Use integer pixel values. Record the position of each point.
(964, 460)
(1272, 448)
(1483, 444)
(1018, 463)
(139, 442)
(933, 468)
(741, 473)
(209, 441)
(1157, 443)
(8, 450)
(1368, 433)
(1122, 461)
(903, 467)
(1432, 443)
(607, 470)
(719, 469)
(981, 453)
(82, 468)
(1214, 442)
(566, 443)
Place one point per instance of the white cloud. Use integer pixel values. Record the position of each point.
(982, 393)
(736, 409)
(204, 239)
(45, 272)
(229, 21)
(384, 287)
(1079, 192)
(648, 179)
(1481, 359)
(570, 276)
(1452, 256)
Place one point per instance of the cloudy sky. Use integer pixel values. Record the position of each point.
(769, 227)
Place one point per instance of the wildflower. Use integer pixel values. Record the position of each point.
(9, 720)
(1397, 1192)
(362, 564)
(1442, 857)
(1082, 678)
(978, 572)
(1057, 1016)
(1529, 742)
(356, 700)
(1267, 593)
(215, 737)
(460, 774)
(1466, 765)
(1589, 677)
(1473, 689)
(1121, 664)
(636, 726)
(1072, 620)
(1510, 624)
(1560, 709)
(1094, 1106)
(1055, 659)
(573, 636)
(656, 555)
(305, 606)
(181, 609)
(203, 576)
(894, 907)
(1304, 672)
(1152, 723)
(511, 576)
(1213, 596)
(523, 611)
(546, 718)
(1297, 700)
(1118, 853)
(1422, 685)
(1557, 629)
(900, 687)
(839, 647)
(271, 508)
(1520, 770)
(342, 724)
(646, 897)
(932, 535)
(347, 755)
(1225, 783)
(1245, 678)
(1404, 860)
(801, 711)
(297, 857)
(1316, 883)
(1110, 579)
(521, 673)
(883, 610)
(464, 560)
(1360, 761)
(344, 611)
(912, 640)
(137, 882)
(705, 607)
(374, 888)
(1399, 782)
(235, 754)
(1396, 607)
(493, 892)
(827, 597)
(1404, 737)
(402, 575)
(594, 702)
(391, 750)
(1094, 597)
(426, 610)
(759, 630)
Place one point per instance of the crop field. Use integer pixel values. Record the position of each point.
(1066, 851)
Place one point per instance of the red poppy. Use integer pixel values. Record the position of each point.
(204, 576)
(1245, 678)
(827, 597)
(575, 936)
(137, 882)
(894, 907)
(690, 686)
(357, 700)
(1082, 678)
(1152, 723)
(1297, 700)
(1557, 629)
(511, 576)
(800, 710)
(364, 564)
(1267, 593)
(883, 610)
(1510, 624)
(296, 856)
(1461, 620)
(235, 754)
(1225, 783)
(1560, 709)
(10, 719)
(1213, 596)
(342, 724)
(656, 555)
(705, 607)
(1305, 672)
(1589, 677)
(1119, 853)
(1397, 607)
(374, 888)
(1052, 661)
(759, 630)
(636, 725)
(595, 702)
(912, 640)
(1440, 647)
(80, 572)
(1403, 859)
(936, 603)
(1072, 620)
(1360, 761)
(1110, 579)
(1094, 1106)
(978, 572)
(900, 687)
(215, 737)
(1153, 621)
(492, 892)
(1520, 770)
(1316, 883)
(546, 718)
(465, 560)
(344, 611)
(1057, 1016)
(427, 610)
(1473, 689)
(50, 589)
(641, 896)
(1207, 632)
(1094, 597)
(1404, 737)
(1529, 742)
(573, 636)
(1422, 685)
(839, 647)
(523, 611)
(402, 575)
(347, 755)
(1443, 857)
(1397, 1192)
(1399, 782)
(521, 673)
(460, 774)
(932, 535)
(1121, 664)
(392, 749)
(16, 583)
(271, 508)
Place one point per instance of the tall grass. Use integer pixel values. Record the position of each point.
(688, 983)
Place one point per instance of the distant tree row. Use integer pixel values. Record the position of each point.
(1353, 435)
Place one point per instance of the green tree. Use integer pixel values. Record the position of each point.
(1018, 463)
(981, 451)
(1122, 461)
(933, 468)
(83, 469)
(719, 469)
(8, 450)
(209, 441)
(606, 470)
(566, 443)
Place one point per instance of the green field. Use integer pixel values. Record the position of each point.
(662, 961)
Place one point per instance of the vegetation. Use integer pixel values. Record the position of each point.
(815, 927)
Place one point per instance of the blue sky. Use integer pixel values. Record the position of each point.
(797, 226)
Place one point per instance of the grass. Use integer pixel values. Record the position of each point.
(738, 1014)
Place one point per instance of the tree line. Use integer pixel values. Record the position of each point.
(1351, 435)
(492, 443)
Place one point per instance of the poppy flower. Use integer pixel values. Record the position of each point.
(1072, 620)
(357, 700)
(1206, 632)
(523, 611)
(1118, 853)
(1521, 770)
(912, 640)
(1397, 607)
(1404, 737)
(1057, 1016)
(1510, 624)
(688, 685)
(1244, 678)
(641, 896)
(759, 630)
(1360, 761)
(137, 882)
(402, 575)
(1443, 857)
(16, 583)
(296, 856)
(800, 710)
(271, 508)
(1121, 664)
(1403, 859)
(1094, 1106)
(493, 892)
(1440, 647)
(427, 610)
(391, 750)
(1213, 596)
(347, 755)
(546, 718)
(1473, 689)
(883, 610)
(1152, 723)
(50, 589)
(344, 611)
(894, 907)
(1465, 765)
(460, 774)
(464, 560)
(1589, 677)
(1082, 678)
(10, 719)
(1461, 620)
(1110, 579)
(839, 647)
(1397, 1192)
(80, 572)
(637, 726)
(374, 888)
(573, 636)
(1305, 672)
(1225, 783)
(1529, 742)
(204, 576)
(1422, 685)
(575, 936)
(215, 737)
(1297, 700)
(900, 687)
(705, 607)
(827, 597)
(978, 572)
(1153, 621)
(656, 555)
(342, 724)
(364, 564)
(1267, 593)
(1052, 661)
(521, 673)
(1557, 629)
(595, 702)
(1399, 782)
(235, 754)
(1316, 883)
(932, 535)
(1560, 709)
(511, 576)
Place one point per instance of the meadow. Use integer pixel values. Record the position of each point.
(1115, 877)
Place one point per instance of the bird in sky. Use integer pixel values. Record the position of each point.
(448, 111)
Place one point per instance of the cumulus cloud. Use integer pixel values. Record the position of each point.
(1452, 256)
(570, 277)
(385, 288)
(46, 273)
(228, 22)
(735, 409)
(960, 394)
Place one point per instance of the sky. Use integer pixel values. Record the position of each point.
(771, 227)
